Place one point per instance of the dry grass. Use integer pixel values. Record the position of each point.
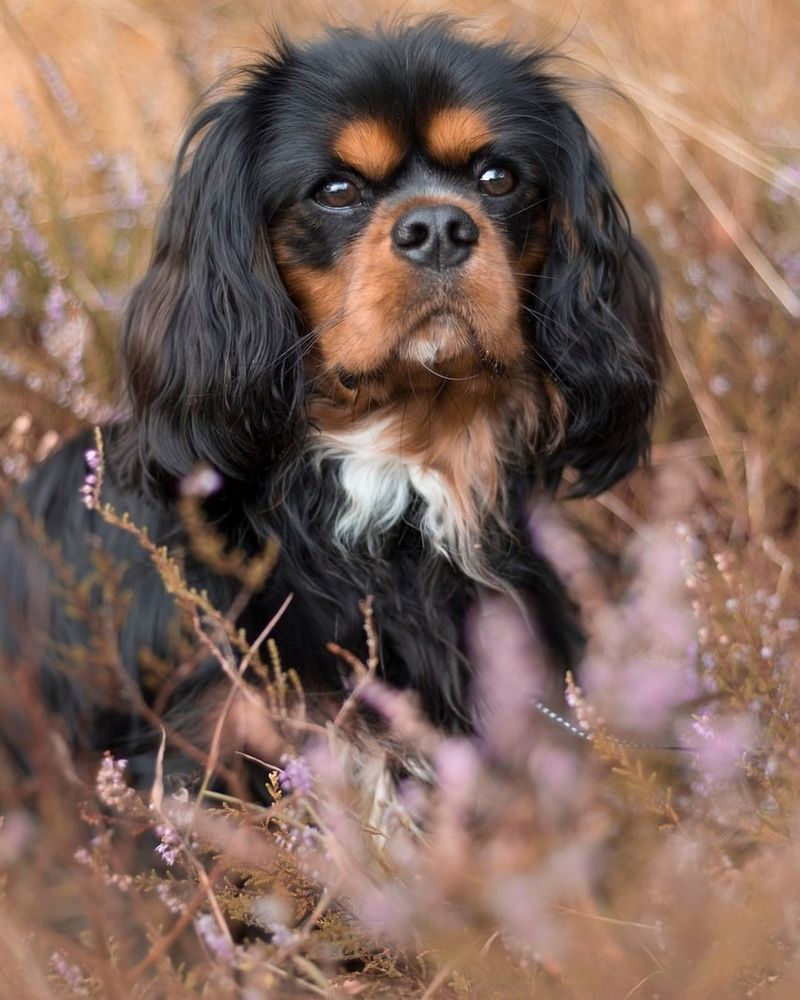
(576, 870)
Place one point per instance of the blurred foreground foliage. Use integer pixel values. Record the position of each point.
(536, 864)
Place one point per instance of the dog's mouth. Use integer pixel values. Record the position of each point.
(439, 336)
(441, 345)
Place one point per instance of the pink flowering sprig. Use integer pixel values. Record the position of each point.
(641, 783)
(171, 844)
(98, 856)
(296, 775)
(71, 975)
(588, 719)
(216, 939)
(205, 616)
(168, 895)
(110, 784)
(174, 818)
(93, 481)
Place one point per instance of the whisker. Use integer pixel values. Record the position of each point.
(450, 378)
(525, 208)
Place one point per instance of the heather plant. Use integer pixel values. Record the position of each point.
(632, 835)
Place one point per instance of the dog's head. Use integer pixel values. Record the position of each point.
(381, 216)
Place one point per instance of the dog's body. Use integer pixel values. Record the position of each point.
(393, 295)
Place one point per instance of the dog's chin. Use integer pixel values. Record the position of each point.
(442, 347)
(441, 339)
(422, 367)
(446, 345)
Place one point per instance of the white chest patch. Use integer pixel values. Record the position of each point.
(379, 486)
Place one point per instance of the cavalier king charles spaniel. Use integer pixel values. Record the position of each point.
(393, 297)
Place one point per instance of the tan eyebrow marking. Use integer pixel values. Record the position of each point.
(369, 146)
(455, 134)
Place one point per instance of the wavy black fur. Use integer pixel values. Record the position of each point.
(213, 366)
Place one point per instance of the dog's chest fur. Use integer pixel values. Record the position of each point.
(382, 484)
(379, 485)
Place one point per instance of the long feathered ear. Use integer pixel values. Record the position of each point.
(210, 339)
(597, 316)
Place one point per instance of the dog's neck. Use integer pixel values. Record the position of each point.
(444, 451)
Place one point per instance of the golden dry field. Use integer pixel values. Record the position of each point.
(590, 869)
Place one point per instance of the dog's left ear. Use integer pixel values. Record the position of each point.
(597, 320)
(211, 339)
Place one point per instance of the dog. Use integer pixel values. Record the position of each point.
(393, 297)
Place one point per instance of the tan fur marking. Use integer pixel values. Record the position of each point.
(531, 261)
(383, 307)
(373, 317)
(446, 412)
(454, 135)
(463, 435)
(370, 147)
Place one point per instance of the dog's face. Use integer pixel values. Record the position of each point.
(418, 216)
(379, 216)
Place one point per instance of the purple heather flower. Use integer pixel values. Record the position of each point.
(55, 304)
(274, 915)
(97, 159)
(71, 974)
(89, 486)
(10, 294)
(202, 482)
(722, 745)
(15, 836)
(127, 193)
(720, 385)
(458, 769)
(166, 893)
(215, 939)
(58, 87)
(511, 676)
(296, 775)
(170, 847)
(642, 665)
(110, 782)
(787, 176)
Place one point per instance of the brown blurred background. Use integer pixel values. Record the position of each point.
(694, 104)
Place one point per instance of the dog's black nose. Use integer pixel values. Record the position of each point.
(438, 236)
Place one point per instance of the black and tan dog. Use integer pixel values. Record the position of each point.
(393, 295)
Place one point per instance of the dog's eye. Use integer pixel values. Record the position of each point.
(497, 181)
(338, 192)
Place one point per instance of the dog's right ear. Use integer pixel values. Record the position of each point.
(597, 318)
(211, 348)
